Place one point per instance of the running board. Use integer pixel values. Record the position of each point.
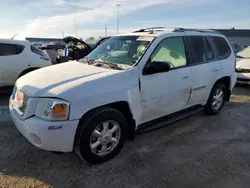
(167, 120)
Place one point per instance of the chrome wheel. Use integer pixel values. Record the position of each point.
(218, 98)
(105, 137)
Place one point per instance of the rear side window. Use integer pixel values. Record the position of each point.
(198, 49)
(36, 50)
(209, 51)
(222, 47)
(10, 49)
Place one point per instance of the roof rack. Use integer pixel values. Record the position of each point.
(179, 29)
(150, 29)
(174, 29)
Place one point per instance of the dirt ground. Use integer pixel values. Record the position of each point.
(200, 151)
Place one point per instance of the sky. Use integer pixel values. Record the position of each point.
(57, 18)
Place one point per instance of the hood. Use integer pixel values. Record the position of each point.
(243, 63)
(55, 79)
(69, 39)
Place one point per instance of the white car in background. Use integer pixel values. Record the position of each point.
(243, 66)
(17, 58)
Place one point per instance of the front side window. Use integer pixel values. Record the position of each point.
(120, 50)
(171, 50)
(10, 49)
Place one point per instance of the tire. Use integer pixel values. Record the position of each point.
(96, 120)
(210, 108)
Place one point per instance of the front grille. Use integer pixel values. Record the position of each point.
(243, 70)
(20, 101)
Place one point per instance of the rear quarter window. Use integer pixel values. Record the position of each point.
(222, 47)
(10, 49)
(36, 50)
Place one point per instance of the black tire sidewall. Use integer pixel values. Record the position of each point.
(87, 128)
(209, 107)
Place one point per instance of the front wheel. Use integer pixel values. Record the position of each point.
(101, 135)
(216, 99)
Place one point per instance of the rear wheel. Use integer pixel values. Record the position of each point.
(101, 135)
(216, 99)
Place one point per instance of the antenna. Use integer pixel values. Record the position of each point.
(13, 36)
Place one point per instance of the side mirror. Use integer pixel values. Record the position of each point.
(157, 67)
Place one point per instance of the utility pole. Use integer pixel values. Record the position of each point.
(118, 15)
(106, 30)
(76, 27)
(62, 34)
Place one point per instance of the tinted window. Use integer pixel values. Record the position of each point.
(171, 50)
(198, 49)
(222, 47)
(209, 51)
(36, 50)
(10, 49)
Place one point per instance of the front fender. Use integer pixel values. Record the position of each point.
(131, 96)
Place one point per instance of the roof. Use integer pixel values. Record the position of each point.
(156, 31)
(235, 32)
(13, 41)
(44, 39)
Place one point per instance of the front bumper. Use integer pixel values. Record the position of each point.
(48, 135)
(243, 78)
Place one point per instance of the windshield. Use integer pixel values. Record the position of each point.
(244, 53)
(124, 50)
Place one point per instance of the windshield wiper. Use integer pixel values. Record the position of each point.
(91, 61)
(111, 65)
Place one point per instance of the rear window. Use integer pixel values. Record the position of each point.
(222, 47)
(10, 49)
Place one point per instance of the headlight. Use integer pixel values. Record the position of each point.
(52, 109)
(238, 68)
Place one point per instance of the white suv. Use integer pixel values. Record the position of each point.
(18, 58)
(124, 86)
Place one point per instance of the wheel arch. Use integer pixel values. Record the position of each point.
(27, 71)
(121, 106)
(227, 81)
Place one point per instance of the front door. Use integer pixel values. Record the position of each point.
(168, 92)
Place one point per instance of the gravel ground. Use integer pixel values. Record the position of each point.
(200, 151)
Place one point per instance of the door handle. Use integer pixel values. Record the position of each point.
(185, 77)
(215, 69)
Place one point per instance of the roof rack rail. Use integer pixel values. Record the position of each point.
(180, 29)
(150, 29)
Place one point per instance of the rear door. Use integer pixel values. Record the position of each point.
(205, 69)
(13, 60)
